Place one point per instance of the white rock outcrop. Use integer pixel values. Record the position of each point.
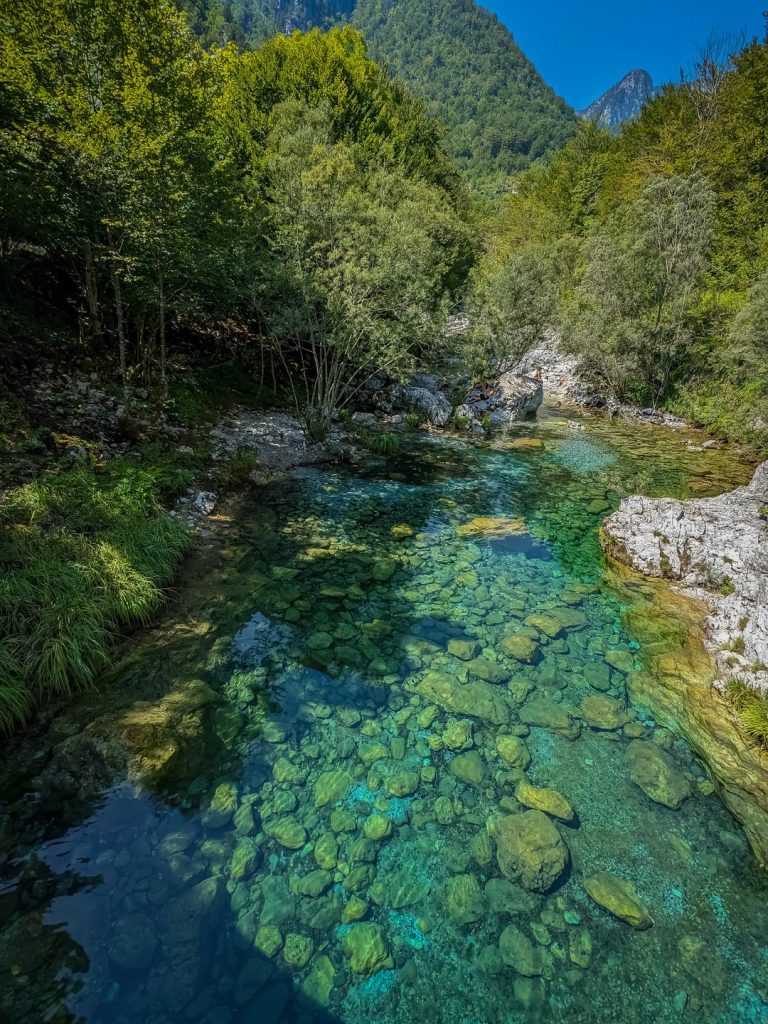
(715, 549)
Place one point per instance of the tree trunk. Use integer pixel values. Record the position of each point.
(91, 292)
(163, 353)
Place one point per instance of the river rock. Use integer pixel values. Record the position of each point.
(377, 827)
(287, 831)
(463, 649)
(601, 712)
(332, 787)
(521, 647)
(654, 771)
(619, 898)
(513, 751)
(530, 850)
(319, 983)
(547, 800)
(222, 807)
(546, 624)
(468, 768)
(476, 699)
(545, 713)
(464, 899)
(366, 949)
(517, 951)
(297, 950)
(133, 943)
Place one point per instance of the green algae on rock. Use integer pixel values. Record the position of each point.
(531, 850)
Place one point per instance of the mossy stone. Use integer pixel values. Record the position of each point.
(332, 787)
(468, 768)
(521, 648)
(654, 771)
(326, 851)
(319, 983)
(287, 831)
(222, 806)
(530, 849)
(377, 827)
(464, 899)
(297, 950)
(517, 951)
(513, 751)
(268, 940)
(602, 712)
(488, 671)
(465, 650)
(548, 800)
(402, 784)
(354, 910)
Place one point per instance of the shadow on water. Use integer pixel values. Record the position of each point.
(288, 663)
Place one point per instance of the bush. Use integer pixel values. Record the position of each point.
(750, 708)
(380, 444)
(81, 556)
(413, 420)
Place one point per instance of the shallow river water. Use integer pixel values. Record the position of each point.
(393, 650)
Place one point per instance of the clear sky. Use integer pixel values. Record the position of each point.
(583, 48)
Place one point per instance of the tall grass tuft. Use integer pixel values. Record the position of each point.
(81, 555)
(751, 710)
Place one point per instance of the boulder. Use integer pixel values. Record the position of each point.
(531, 850)
(654, 771)
(366, 949)
(547, 714)
(601, 712)
(520, 647)
(476, 699)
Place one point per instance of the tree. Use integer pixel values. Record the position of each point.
(361, 259)
(630, 318)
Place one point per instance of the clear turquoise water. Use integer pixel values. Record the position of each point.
(176, 900)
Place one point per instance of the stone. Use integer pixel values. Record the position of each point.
(285, 771)
(343, 820)
(222, 806)
(319, 983)
(488, 671)
(366, 949)
(463, 649)
(468, 768)
(377, 827)
(298, 950)
(520, 647)
(268, 940)
(654, 771)
(481, 848)
(326, 851)
(457, 735)
(245, 824)
(402, 784)
(476, 699)
(464, 899)
(332, 787)
(619, 898)
(598, 675)
(513, 751)
(547, 800)
(621, 660)
(492, 528)
(505, 897)
(601, 712)
(547, 714)
(517, 951)
(287, 831)
(546, 624)
(371, 752)
(245, 859)
(530, 849)
(580, 947)
(354, 910)
(314, 884)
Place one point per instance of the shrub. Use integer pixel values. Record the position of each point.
(750, 708)
(413, 420)
(380, 444)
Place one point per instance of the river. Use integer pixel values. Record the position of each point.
(385, 654)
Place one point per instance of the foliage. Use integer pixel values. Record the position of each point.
(413, 420)
(380, 443)
(751, 709)
(80, 557)
(658, 241)
(500, 115)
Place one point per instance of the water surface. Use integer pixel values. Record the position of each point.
(332, 860)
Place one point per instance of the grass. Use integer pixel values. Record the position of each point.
(413, 421)
(751, 710)
(385, 443)
(82, 554)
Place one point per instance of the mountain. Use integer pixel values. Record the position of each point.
(500, 114)
(622, 102)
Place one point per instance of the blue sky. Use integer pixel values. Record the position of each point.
(583, 48)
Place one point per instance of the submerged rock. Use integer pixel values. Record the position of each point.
(513, 751)
(520, 647)
(517, 951)
(619, 898)
(600, 712)
(545, 713)
(547, 800)
(531, 850)
(366, 949)
(476, 699)
(468, 768)
(654, 771)
(464, 899)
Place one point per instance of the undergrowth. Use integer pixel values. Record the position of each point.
(385, 443)
(82, 554)
(750, 708)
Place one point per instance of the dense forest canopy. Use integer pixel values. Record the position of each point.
(656, 241)
(500, 115)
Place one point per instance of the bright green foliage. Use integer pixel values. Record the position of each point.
(385, 443)
(751, 709)
(500, 115)
(660, 243)
(81, 556)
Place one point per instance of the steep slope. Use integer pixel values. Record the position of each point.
(500, 115)
(622, 102)
(466, 65)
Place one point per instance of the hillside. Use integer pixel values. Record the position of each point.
(622, 102)
(500, 115)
